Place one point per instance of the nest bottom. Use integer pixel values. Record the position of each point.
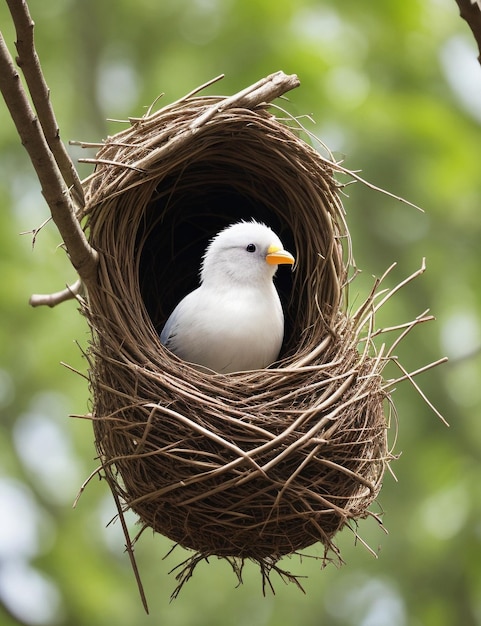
(263, 470)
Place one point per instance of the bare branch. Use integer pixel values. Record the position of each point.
(29, 63)
(83, 257)
(470, 11)
(264, 90)
(52, 299)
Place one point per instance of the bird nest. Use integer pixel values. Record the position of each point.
(253, 465)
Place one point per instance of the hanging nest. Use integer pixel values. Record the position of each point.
(253, 465)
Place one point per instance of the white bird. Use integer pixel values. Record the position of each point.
(234, 321)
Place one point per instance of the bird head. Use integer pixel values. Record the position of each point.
(245, 252)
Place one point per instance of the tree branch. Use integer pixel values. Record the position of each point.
(56, 193)
(52, 299)
(470, 10)
(29, 63)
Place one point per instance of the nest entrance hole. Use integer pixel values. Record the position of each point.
(179, 221)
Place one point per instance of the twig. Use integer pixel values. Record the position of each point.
(410, 376)
(338, 167)
(264, 90)
(96, 472)
(470, 11)
(128, 543)
(197, 89)
(52, 299)
(34, 232)
(83, 257)
(29, 63)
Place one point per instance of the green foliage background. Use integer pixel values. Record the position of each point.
(394, 88)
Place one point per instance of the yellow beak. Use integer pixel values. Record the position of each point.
(278, 256)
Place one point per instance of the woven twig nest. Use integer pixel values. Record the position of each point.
(252, 465)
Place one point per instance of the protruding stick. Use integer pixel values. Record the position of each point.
(52, 299)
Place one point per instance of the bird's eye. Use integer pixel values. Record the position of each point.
(251, 247)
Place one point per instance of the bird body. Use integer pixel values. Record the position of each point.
(233, 321)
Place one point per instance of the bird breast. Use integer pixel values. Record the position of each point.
(228, 331)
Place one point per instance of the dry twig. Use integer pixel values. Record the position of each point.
(52, 299)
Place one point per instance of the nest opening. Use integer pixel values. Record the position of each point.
(191, 217)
